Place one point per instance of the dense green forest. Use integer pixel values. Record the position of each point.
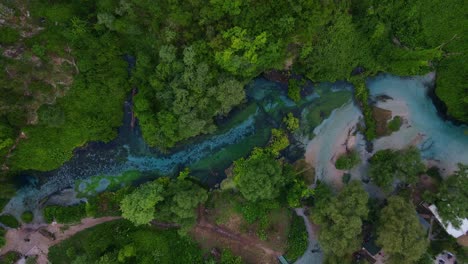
(67, 67)
(64, 77)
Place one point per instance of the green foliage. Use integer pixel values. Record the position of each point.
(362, 95)
(106, 203)
(259, 177)
(121, 240)
(139, 206)
(8, 35)
(297, 239)
(386, 165)
(27, 217)
(294, 89)
(347, 161)
(452, 197)
(10, 257)
(9, 220)
(297, 192)
(65, 214)
(164, 200)
(279, 141)
(253, 211)
(340, 219)
(400, 233)
(228, 258)
(2, 237)
(292, 122)
(346, 178)
(394, 124)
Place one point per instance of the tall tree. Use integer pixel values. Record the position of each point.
(139, 206)
(400, 233)
(386, 165)
(340, 219)
(260, 176)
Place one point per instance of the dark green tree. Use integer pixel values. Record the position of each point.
(340, 219)
(400, 233)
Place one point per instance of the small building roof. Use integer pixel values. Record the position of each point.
(455, 232)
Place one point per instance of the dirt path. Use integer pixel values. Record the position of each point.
(28, 240)
(207, 229)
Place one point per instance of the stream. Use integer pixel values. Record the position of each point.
(329, 125)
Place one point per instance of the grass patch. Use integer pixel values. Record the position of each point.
(10, 257)
(394, 124)
(120, 241)
(347, 161)
(297, 239)
(27, 217)
(65, 214)
(9, 221)
(2, 237)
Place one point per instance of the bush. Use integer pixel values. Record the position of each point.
(434, 173)
(294, 90)
(65, 214)
(9, 221)
(346, 178)
(292, 123)
(394, 124)
(2, 237)
(8, 35)
(10, 257)
(228, 258)
(347, 161)
(297, 239)
(27, 217)
(122, 240)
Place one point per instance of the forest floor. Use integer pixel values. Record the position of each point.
(251, 249)
(36, 239)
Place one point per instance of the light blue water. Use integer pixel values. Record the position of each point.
(129, 152)
(442, 142)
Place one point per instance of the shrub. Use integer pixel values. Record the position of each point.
(297, 239)
(8, 35)
(394, 124)
(294, 90)
(27, 217)
(65, 214)
(434, 173)
(9, 221)
(228, 258)
(346, 178)
(145, 244)
(292, 123)
(10, 257)
(2, 237)
(347, 161)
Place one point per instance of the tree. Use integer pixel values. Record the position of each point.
(139, 206)
(340, 219)
(452, 197)
(259, 177)
(386, 165)
(399, 233)
(347, 161)
(292, 122)
(186, 197)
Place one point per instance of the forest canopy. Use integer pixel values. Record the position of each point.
(65, 77)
